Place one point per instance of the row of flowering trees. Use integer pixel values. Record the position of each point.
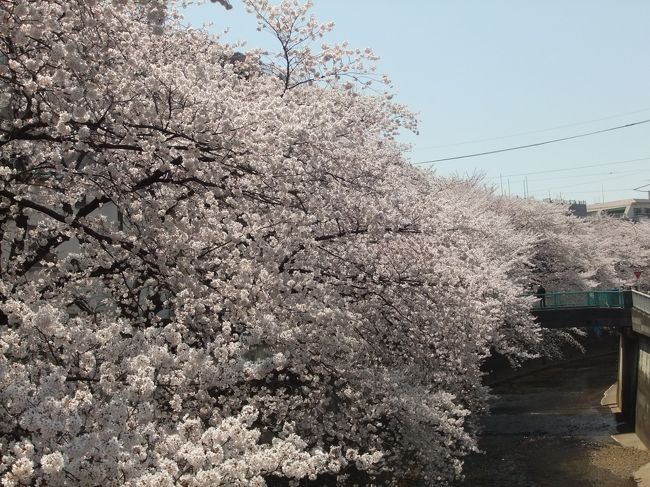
(219, 270)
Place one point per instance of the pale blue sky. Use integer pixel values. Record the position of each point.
(482, 69)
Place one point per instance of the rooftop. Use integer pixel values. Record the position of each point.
(610, 204)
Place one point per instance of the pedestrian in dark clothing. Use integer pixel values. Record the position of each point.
(541, 294)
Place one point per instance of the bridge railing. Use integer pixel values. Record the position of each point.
(641, 301)
(583, 299)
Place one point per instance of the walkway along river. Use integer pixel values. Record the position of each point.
(548, 429)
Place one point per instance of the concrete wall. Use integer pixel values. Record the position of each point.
(628, 374)
(642, 424)
(641, 334)
(582, 317)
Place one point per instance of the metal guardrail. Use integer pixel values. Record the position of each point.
(583, 299)
(641, 301)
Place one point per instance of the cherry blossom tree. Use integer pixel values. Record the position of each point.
(618, 248)
(218, 269)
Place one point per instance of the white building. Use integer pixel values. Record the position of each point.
(632, 209)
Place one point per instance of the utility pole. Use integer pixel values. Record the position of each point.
(527, 193)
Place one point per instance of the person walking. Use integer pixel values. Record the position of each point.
(541, 294)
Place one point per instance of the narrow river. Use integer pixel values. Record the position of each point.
(548, 429)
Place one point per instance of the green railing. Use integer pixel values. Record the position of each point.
(582, 299)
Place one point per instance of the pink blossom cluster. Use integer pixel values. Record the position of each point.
(218, 269)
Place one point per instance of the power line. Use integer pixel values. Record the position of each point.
(518, 134)
(537, 144)
(589, 175)
(584, 183)
(599, 190)
(546, 171)
(610, 176)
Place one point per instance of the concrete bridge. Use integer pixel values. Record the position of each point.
(585, 309)
(629, 313)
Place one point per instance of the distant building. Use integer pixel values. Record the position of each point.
(632, 209)
(577, 208)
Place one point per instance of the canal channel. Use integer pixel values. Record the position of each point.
(548, 428)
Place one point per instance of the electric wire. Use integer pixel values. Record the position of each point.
(536, 144)
(584, 183)
(582, 176)
(564, 169)
(531, 132)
